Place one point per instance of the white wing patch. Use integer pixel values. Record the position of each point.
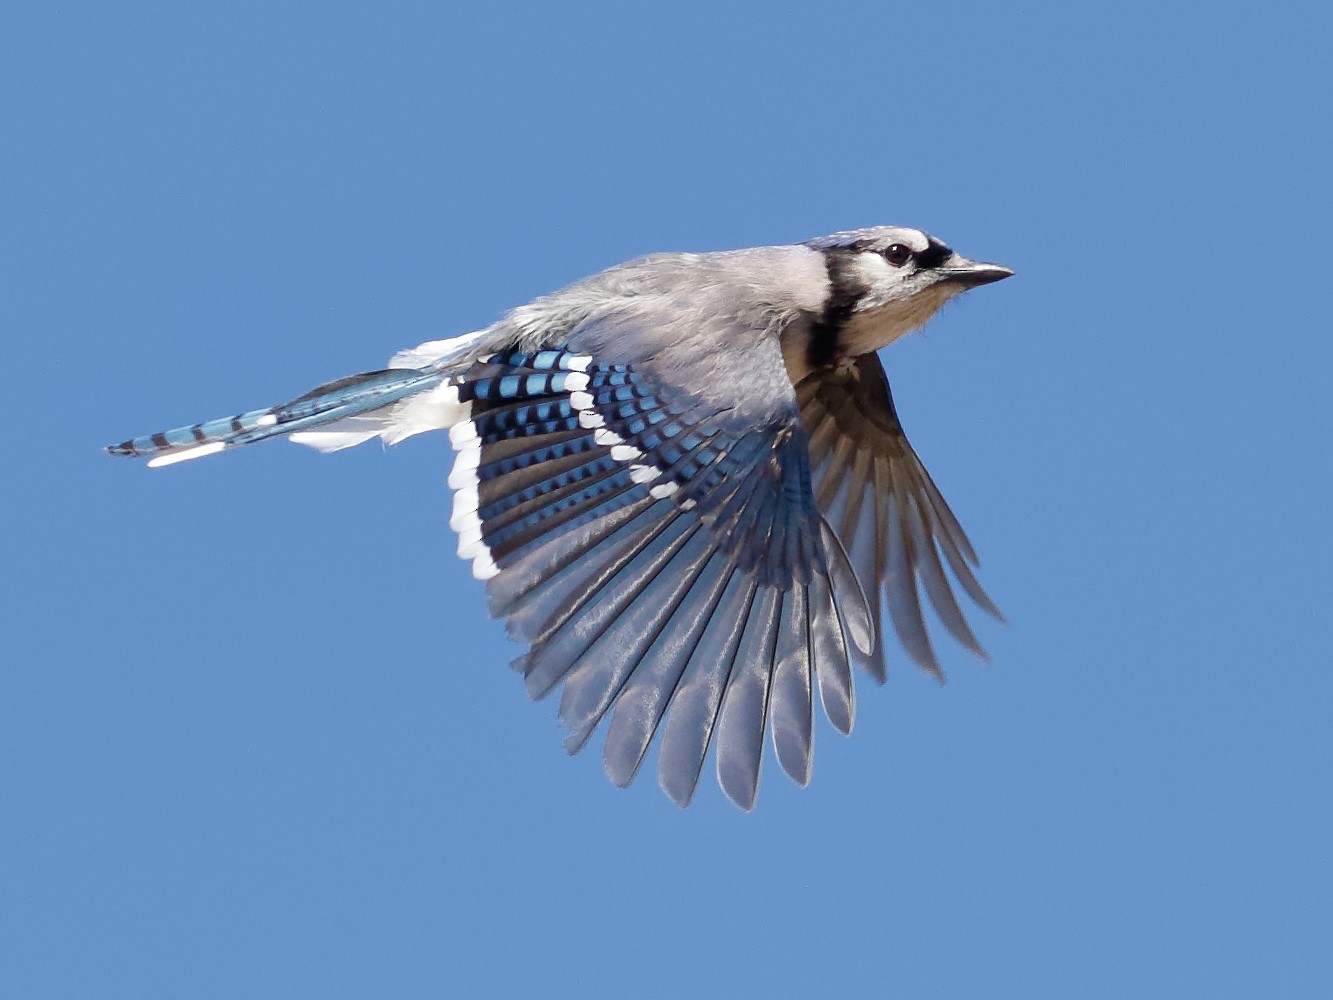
(463, 481)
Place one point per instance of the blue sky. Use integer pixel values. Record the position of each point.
(257, 737)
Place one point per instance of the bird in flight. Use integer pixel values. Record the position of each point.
(685, 484)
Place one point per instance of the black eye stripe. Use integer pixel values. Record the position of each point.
(935, 254)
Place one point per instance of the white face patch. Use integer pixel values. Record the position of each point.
(914, 239)
(878, 275)
(886, 282)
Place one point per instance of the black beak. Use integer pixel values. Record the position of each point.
(970, 273)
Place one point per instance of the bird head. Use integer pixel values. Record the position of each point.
(887, 281)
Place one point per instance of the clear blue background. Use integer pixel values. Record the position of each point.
(257, 737)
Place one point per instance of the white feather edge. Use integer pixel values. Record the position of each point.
(463, 436)
(463, 481)
(437, 409)
(441, 409)
(433, 410)
(171, 458)
(437, 352)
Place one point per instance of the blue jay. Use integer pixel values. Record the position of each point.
(687, 488)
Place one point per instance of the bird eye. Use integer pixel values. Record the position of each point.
(897, 254)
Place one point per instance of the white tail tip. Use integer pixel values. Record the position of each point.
(184, 456)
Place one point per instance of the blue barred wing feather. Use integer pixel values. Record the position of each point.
(665, 561)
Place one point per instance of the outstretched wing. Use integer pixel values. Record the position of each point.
(888, 513)
(664, 559)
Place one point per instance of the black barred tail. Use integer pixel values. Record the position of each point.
(333, 403)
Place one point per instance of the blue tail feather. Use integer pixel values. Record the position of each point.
(338, 400)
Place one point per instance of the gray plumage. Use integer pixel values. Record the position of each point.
(685, 482)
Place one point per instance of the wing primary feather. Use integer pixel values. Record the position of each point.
(791, 703)
(592, 612)
(740, 736)
(606, 664)
(833, 672)
(822, 430)
(858, 519)
(693, 713)
(931, 574)
(944, 513)
(867, 555)
(571, 552)
(900, 583)
(560, 594)
(841, 458)
(964, 575)
(755, 534)
(644, 698)
(735, 505)
(959, 564)
(849, 598)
